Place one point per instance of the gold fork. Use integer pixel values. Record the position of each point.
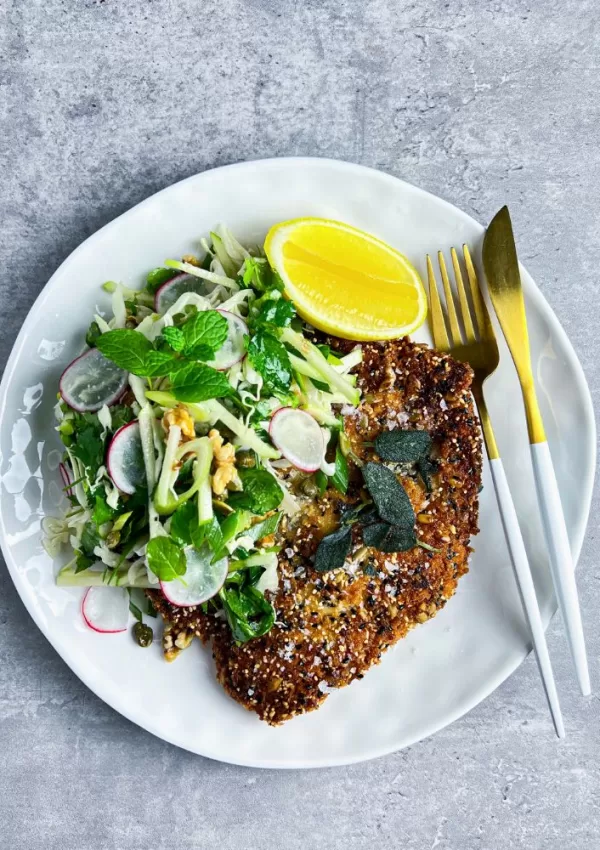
(479, 349)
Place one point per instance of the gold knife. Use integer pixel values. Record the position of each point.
(504, 283)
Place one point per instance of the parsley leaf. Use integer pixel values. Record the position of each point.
(88, 445)
(93, 334)
(196, 382)
(102, 510)
(165, 558)
(184, 522)
(279, 312)
(271, 360)
(261, 491)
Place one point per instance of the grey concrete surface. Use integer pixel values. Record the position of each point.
(102, 103)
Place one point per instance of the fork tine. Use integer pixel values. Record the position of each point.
(462, 297)
(481, 312)
(455, 333)
(438, 323)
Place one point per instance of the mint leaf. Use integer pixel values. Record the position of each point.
(174, 336)
(333, 549)
(271, 360)
(200, 352)
(390, 497)
(261, 492)
(196, 382)
(165, 558)
(159, 363)
(248, 613)
(127, 348)
(207, 328)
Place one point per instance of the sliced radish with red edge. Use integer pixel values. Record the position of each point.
(91, 381)
(298, 437)
(66, 477)
(167, 294)
(233, 349)
(106, 609)
(125, 458)
(202, 578)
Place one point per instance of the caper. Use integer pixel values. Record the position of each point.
(245, 459)
(143, 634)
(310, 488)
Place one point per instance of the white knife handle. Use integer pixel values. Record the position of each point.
(561, 562)
(518, 556)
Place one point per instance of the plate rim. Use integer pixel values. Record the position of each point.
(533, 292)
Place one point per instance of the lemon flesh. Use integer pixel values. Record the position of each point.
(346, 282)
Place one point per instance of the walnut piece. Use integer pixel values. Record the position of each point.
(179, 416)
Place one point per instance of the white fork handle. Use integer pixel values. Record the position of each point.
(561, 562)
(518, 556)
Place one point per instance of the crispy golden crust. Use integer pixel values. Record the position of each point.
(331, 627)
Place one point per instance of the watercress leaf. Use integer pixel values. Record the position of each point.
(279, 312)
(333, 549)
(261, 493)
(401, 446)
(389, 538)
(271, 360)
(341, 475)
(166, 558)
(159, 363)
(248, 613)
(206, 328)
(93, 334)
(157, 277)
(127, 348)
(174, 336)
(265, 528)
(196, 382)
(184, 522)
(102, 510)
(389, 495)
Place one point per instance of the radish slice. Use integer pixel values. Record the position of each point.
(66, 477)
(91, 381)
(125, 458)
(167, 294)
(233, 349)
(106, 609)
(298, 437)
(202, 578)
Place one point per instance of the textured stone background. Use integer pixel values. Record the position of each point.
(481, 102)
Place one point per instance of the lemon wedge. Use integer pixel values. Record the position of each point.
(345, 281)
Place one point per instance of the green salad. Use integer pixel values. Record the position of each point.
(184, 423)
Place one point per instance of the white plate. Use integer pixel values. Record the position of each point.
(444, 667)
